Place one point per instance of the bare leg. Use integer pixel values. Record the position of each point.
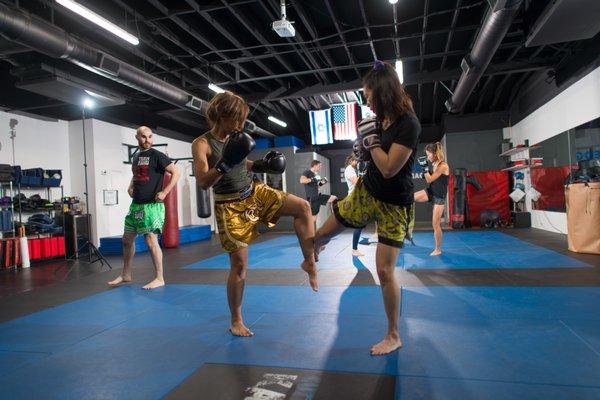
(386, 257)
(128, 253)
(421, 196)
(355, 240)
(328, 230)
(436, 221)
(238, 262)
(157, 259)
(305, 230)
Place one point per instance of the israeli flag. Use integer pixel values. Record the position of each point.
(320, 127)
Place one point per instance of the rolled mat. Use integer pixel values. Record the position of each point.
(25, 263)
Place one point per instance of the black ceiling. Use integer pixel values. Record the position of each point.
(190, 42)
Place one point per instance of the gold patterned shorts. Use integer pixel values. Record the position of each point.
(237, 220)
(394, 223)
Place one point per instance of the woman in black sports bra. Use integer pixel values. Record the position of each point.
(436, 174)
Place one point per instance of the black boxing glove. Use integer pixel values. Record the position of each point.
(422, 161)
(368, 133)
(323, 181)
(429, 168)
(236, 149)
(272, 163)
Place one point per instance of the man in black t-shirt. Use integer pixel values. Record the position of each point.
(312, 181)
(147, 212)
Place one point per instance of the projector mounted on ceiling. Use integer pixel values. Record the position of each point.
(283, 27)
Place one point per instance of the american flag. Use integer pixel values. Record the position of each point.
(344, 121)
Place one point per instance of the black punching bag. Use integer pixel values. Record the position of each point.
(460, 198)
(202, 202)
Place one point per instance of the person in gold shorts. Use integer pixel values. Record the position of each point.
(220, 162)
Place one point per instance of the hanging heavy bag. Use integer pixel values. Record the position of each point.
(583, 217)
(460, 198)
(170, 235)
(202, 202)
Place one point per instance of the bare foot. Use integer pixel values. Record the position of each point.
(239, 329)
(311, 270)
(119, 280)
(154, 284)
(435, 252)
(357, 253)
(387, 345)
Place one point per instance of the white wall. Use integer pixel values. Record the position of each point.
(576, 105)
(38, 144)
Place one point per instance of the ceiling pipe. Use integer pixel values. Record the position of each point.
(23, 28)
(490, 37)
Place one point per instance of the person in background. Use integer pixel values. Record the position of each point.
(351, 177)
(312, 181)
(146, 214)
(436, 174)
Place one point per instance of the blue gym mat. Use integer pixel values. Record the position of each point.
(461, 250)
(459, 342)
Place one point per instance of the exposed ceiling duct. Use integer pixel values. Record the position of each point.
(559, 21)
(51, 40)
(57, 84)
(490, 36)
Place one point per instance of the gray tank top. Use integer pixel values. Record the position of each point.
(238, 178)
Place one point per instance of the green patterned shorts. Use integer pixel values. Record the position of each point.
(394, 223)
(145, 218)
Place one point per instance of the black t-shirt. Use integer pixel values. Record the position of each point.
(312, 189)
(399, 188)
(148, 170)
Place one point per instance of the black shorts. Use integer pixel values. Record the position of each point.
(317, 202)
(435, 199)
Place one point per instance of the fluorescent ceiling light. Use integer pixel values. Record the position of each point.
(393, 1)
(400, 71)
(277, 121)
(98, 20)
(215, 88)
(88, 103)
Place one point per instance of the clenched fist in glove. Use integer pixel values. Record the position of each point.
(272, 163)
(368, 133)
(236, 149)
(367, 139)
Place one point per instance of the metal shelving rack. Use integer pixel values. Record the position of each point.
(48, 196)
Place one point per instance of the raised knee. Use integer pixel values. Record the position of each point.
(305, 208)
